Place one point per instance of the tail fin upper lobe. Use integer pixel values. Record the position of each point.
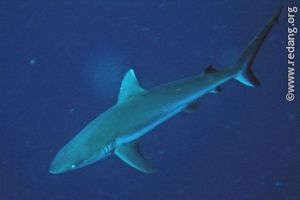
(243, 67)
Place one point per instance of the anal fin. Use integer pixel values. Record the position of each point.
(216, 90)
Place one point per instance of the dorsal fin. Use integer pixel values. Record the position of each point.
(210, 69)
(129, 87)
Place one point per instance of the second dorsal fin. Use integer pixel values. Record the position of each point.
(210, 69)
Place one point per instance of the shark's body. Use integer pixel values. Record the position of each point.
(138, 111)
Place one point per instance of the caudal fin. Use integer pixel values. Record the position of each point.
(243, 66)
(247, 77)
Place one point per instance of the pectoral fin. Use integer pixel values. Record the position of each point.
(130, 154)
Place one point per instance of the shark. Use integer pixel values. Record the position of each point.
(118, 130)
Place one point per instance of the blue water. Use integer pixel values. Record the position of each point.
(61, 64)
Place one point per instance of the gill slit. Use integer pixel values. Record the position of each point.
(108, 148)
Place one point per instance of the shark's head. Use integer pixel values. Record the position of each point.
(70, 158)
(64, 161)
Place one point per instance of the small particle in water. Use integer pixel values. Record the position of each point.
(162, 4)
(156, 39)
(145, 29)
(71, 110)
(32, 62)
(278, 183)
(291, 116)
(161, 152)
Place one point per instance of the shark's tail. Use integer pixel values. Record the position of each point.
(243, 66)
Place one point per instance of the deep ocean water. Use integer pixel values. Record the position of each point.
(62, 62)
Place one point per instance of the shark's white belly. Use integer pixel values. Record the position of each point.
(136, 135)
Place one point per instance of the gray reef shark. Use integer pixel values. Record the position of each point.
(137, 111)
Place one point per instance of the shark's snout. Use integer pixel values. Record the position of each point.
(54, 168)
(59, 165)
